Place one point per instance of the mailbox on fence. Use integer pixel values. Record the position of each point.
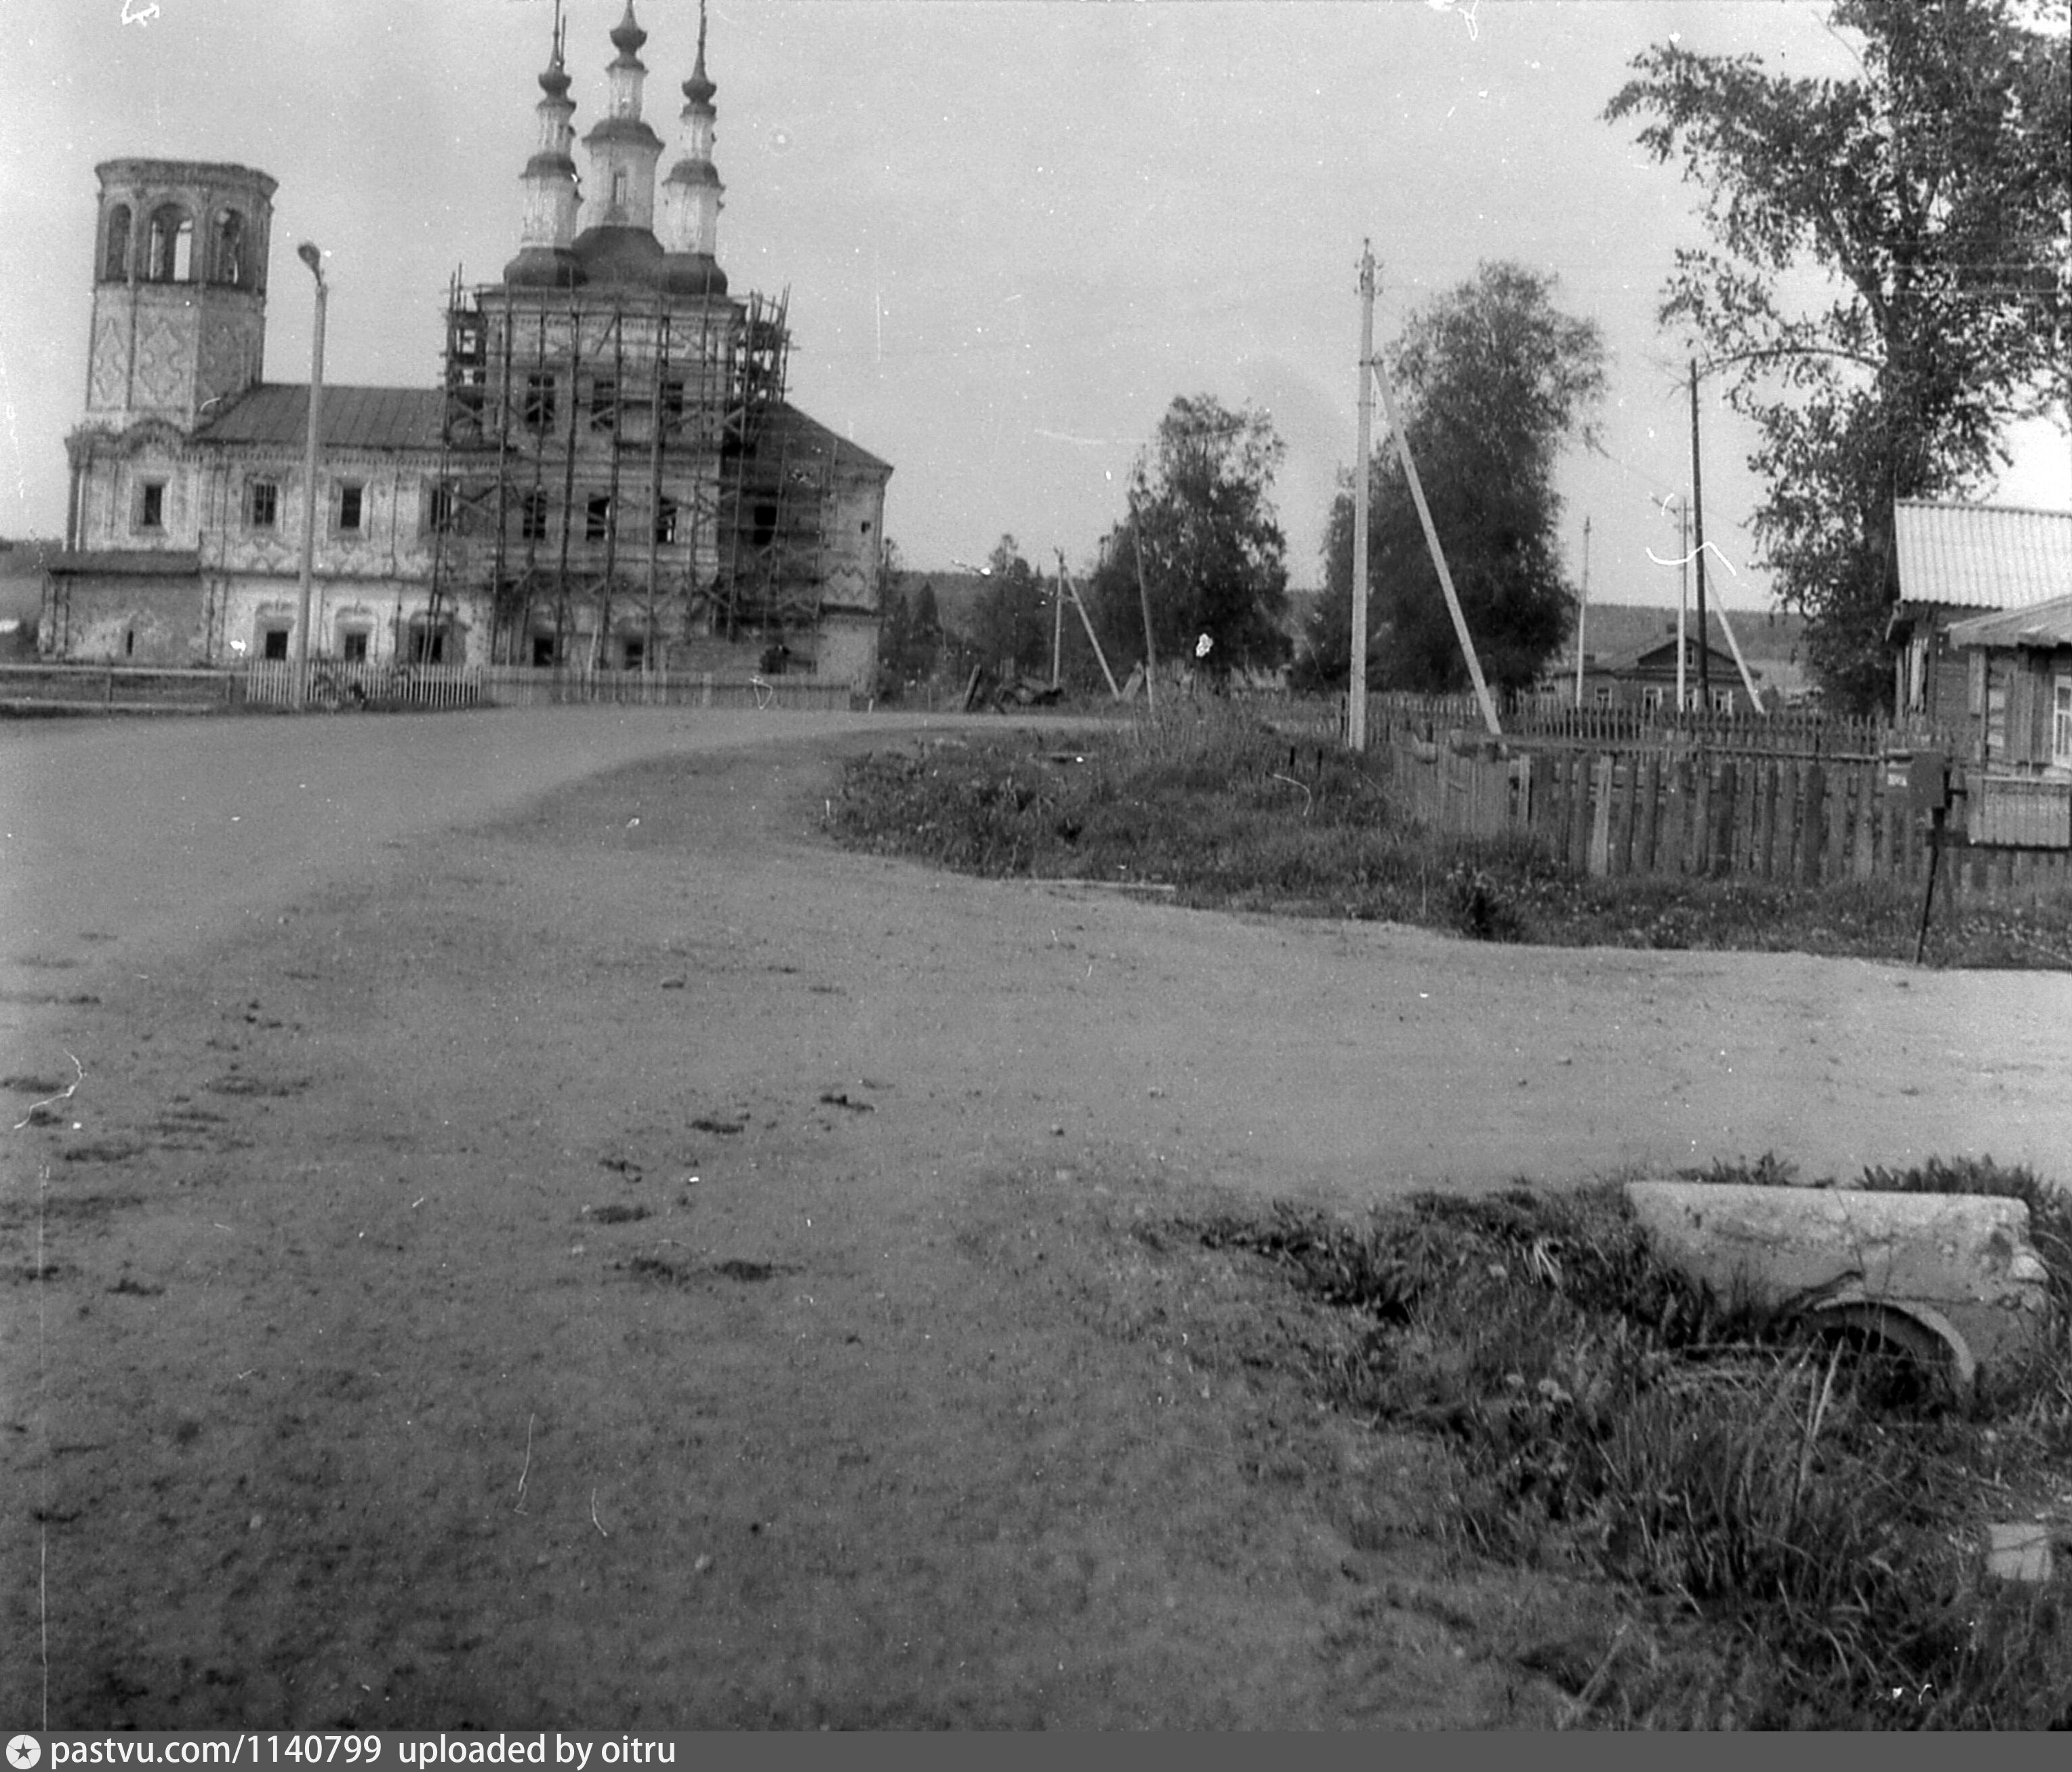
(1928, 782)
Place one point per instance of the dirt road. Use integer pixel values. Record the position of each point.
(534, 1246)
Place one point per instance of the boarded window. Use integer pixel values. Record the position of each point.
(532, 517)
(115, 257)
(438, 505)
(263, 504)
(352, 645)
(603, 404)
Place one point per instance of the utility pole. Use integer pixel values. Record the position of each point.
(1583, 613)
(1144, 601)
(1683, 603)
(1698, 519)
(1356, 694)
(1058, 625)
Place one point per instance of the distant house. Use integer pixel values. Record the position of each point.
(1957, 562)
(1644, 677)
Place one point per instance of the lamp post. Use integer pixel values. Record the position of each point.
(299, 693)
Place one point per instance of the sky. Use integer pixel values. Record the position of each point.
(1012, 231)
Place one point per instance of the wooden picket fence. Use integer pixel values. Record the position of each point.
(518, 686)
(1693, 812)
(1540, 720)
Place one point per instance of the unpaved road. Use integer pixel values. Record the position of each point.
(535, 1245)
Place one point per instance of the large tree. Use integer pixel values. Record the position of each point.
(1929, 194)
(1214, 560)
(1013, 617)
(1492, 380)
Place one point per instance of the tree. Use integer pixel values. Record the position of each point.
(1931, 193)
(1214, 560)
(1492, 380)
(1013, 618)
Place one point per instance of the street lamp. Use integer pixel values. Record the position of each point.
(299, 693)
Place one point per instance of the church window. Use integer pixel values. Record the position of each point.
(672, 398)
(352, 645)
(603, 404)
(597, 524)
(263, 504)
(273, 644)
(532, 517)
(151, 504)
(169, 248)
(538, 412)
(665, 521)
(352, 506)
(619, 188)
(542, 651)
(765, 530)
(428, 644)
(438, 505)
(115, 261)
(230, 247)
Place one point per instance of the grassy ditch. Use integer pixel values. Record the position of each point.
(1803, 1519)
(1233, 814)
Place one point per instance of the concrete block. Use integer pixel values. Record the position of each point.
(2018, 1552)
(1953, 1272)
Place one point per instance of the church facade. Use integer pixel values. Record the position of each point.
(609, 477)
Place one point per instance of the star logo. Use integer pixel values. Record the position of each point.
(23, 1752)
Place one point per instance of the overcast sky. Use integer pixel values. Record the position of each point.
(1012, 230)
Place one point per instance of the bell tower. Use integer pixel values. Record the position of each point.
(179, 290)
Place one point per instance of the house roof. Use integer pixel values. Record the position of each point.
(1982, 556)
(1657, 655)
(352, 418)
(787, 427)
(2045, 626)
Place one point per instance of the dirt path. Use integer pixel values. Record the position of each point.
(627, 1263)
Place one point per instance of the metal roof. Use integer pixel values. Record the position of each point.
(811, 434)
(1982, 556)
(352, 418)
(2046, 625)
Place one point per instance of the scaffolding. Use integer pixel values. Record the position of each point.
(619, 464)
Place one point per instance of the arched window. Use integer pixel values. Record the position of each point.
(230, 247)
(115, 260)
(169, 249)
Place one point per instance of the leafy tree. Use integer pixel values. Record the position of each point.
(1931, 192)
(1214, 560)
(924, 632)
(1491, 380)
(1013, 625)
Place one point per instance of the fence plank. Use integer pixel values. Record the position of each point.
(1812, 832)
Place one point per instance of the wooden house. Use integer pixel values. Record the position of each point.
(1959, 563)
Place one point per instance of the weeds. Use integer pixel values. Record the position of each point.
(1235, 813)
(1818, 1524)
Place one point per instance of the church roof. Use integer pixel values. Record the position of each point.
(786, 432)
(352, 418)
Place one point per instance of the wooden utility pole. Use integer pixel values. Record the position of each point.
(1395, 424)
(1698, 522)
(1066, 587)
(1583, 613)
(1144, 600)
(1683, 605)
(1058, 625)
(1356, 693)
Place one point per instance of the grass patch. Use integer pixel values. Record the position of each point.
(1814, 1512)
(1233, 813)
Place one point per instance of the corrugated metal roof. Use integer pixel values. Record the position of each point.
(2046, 625)
(1982, 556)
(352, 418)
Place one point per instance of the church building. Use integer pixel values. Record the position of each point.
(609, 477)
